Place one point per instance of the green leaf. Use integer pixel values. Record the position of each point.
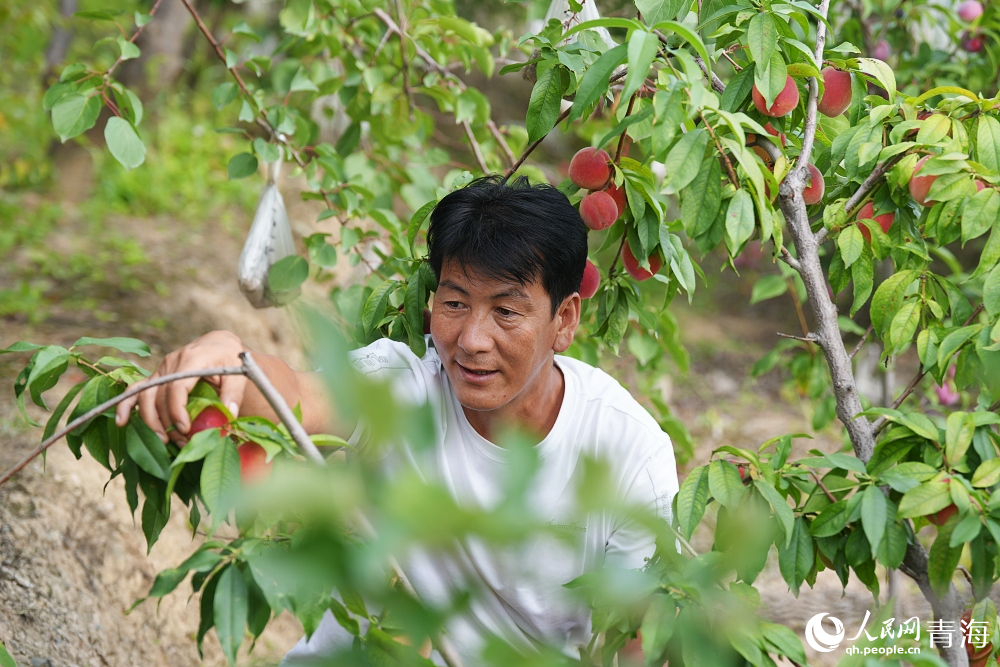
(199, 446)
(155, 514)
(873, 516)
(543, 107)
(416, 222)
(888, 298)
(960, 427)
(771, 77)
(991, 292)
(904, 324)
(129, 49)
(882, 73)
(785, 641)
(925, 499)
(642, 48)
(595, 81)
(147, 450)
(53, 423)
(851, 244)
(5, 659)
(288, 273)
(831, 520)
(414, 299)
(266, 151)
(768, 287)
(702, 199)
(126, 345)
(124, 143)
(979, 213)
(220, 479)
(942, 560)
(780, 506)
(74, 114)
(762, 36)
(684, 160)
(953, 341)
(241, 165)
(224, 93)
(988, 142)
(725, 484)
(230, 611)
(301, 82)
(987, 474)
(933, 129)
(692, 498)
(739, 221)
(657, 628)
(374, 309)
(658, 11)
(48, 365)
(796, 558)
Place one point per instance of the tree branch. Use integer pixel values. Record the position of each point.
(866, 187)
(434, 65)
(476, 150)
(128, 393)
(809, 135)
(787, 258)
(857, 348)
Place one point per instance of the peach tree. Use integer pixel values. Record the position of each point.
(711, 127)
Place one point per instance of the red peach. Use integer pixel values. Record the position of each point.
(589, 168)
(921, 185)
(598, 210)
(979, 185)
(884, 220)
(618, 194)
(254, 466)
(882, 50)
(591, 281)
(783, 104)
(774, 133)
(636, 271)
(813, 194)
(210, 417)
(940, 517)
(836, 92)
(972, 43)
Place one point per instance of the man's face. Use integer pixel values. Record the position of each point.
(495, 337)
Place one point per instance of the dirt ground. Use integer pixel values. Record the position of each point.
(72, 560)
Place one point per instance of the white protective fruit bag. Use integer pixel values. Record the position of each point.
(269, 240)
(559, 9)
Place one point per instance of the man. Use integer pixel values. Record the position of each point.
(509, 260)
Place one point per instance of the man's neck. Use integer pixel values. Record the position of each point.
(534, 411)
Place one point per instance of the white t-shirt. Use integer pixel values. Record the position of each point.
(518, 593)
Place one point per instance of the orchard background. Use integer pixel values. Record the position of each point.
(131, 226)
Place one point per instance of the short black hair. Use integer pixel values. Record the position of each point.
(511, 231)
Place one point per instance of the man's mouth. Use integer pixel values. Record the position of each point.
(476, 374)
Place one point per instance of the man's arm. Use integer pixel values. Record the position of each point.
(165, 406)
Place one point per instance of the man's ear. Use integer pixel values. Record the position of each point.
(567, 319)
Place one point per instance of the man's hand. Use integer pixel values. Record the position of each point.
(165, 406)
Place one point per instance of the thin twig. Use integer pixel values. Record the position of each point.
(809, 133)
(857, 348)
(476, 150)
(533, 145)
(280, 407)
(787, 258)
(128, 393)
(135, 36)
(434, 65)
(718, 146)
(820, 484)
(808, 338)
(621, 139)
(794, 294)
(684, 543)
(717, 84)
(401, 17)
(881, 422)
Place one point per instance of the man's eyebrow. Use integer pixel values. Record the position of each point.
(454, 286)
(511, 293)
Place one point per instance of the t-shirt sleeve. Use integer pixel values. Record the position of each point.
(410, 378)
(652, 491)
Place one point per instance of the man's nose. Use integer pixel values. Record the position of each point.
(475, 335)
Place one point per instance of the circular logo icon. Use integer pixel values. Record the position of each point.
(819, 638)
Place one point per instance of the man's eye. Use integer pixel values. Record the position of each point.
(504, 312)
(453, 304)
